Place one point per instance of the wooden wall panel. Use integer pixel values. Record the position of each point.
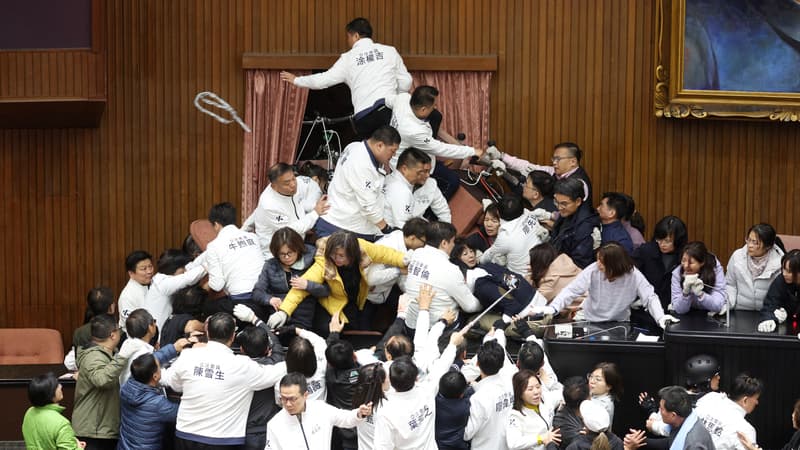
(76, 201)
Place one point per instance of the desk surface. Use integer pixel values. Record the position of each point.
(743, 327)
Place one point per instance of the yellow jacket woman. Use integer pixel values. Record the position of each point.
(340, 262)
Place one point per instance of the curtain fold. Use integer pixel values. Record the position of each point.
(463, 101)
(274, 111)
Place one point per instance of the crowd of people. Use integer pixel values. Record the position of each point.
(240, 342)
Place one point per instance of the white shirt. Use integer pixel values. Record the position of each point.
(406, 420)
(317, 389)
(308, 191)
(608, 301)
(429, 196)
(284, 431)
(381, 277)
(723, 417)
(523, 427)
(158, 302)
(217, 390)
(233, 261)
(417, 133)
(355, 194)
(432, 266)
(399, 200)
(142, 348)
(372, 71)
(131, 298)
(488, 413)
(515, 239)
(275, 211)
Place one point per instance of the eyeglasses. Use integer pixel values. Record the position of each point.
(290, 399)
(564, 204)
(666, 241)
(754, 242)
(288, 254)
(596, 378)
(557, 159)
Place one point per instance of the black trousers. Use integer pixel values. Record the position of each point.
(184, 444)
(366, 125)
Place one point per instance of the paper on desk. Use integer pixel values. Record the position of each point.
(645, 338)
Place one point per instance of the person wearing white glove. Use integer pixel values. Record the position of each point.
(613, 284)
(699, 282)
(783, 296)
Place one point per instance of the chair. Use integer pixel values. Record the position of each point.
(790, 242)
(23, 346)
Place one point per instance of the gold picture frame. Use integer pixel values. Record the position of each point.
(673, 100)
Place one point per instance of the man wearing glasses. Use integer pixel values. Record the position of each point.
(566, 163)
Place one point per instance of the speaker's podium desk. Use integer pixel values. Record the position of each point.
(647, 366)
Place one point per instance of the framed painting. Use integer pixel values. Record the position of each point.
(728, 59)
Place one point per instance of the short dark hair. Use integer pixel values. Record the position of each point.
(576, 390)
(98, 301)
(386, 134)
(189, 300)
(745, 386)
(416, 226)
(220, 327)
(403, 374)
(361, 26)
(491, 357)
(452, 384)
(676, 400)
(541, 255)
(346, 240)
(254, 341)
(42, 389)
(616, 260)
(423, 96)
(277, 171)
(102, 326)
(399, 345)
(613, 378)
(520, 383)
(618, 202)
(312, 170)
(300, 357)
(439, 232)
(574, 150)
(672, 226)
(288, 237)
(492, 210)
(143, 368)
(171, 260)
(411, 157)
(571, 187)
(134, 258)
(339, 354)
(294, 379)
(530, 356)
(510, 207)
(138, 323)
(222, 213)
(542, 181)
(792, 261)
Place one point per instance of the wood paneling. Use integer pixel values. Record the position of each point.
(76, 201)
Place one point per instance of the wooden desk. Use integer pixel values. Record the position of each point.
(14, 394)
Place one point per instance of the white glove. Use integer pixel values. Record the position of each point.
(688, 283)
(498, 165)
(527, 169)
(128, 349)
(541, 233)
(580, 316)
(597, 237)
(767, 326)
(485, 203)
(780, 314)
(278, 319)
(245, 314)
(697, 287)
(542, 214)
(662, 322)
(493, 153)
